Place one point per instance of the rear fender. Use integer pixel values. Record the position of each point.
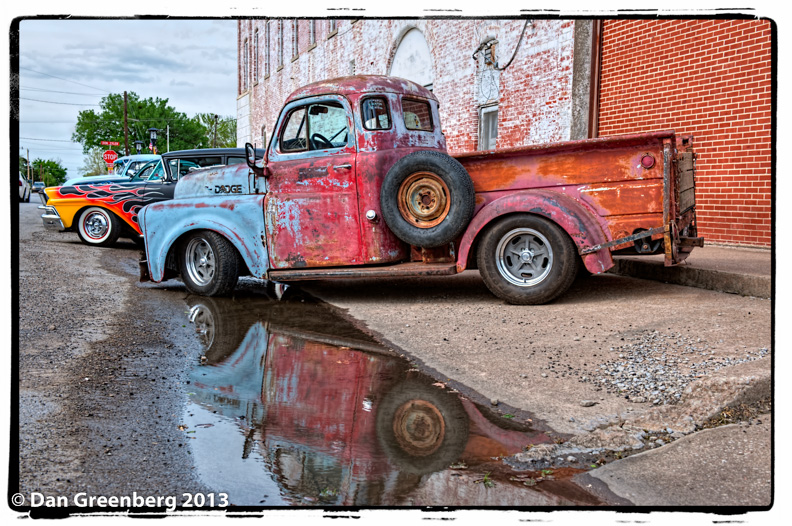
(239, 219)
(579, 222)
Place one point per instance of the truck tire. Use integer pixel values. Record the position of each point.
(209, 264)
(98, 227)
(427, 199)
(527, 260)
(219, 326)
(421, 428)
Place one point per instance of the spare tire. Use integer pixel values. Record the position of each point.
(427, 199)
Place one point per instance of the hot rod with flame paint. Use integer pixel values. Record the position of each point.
(101, 211)
(356, 182)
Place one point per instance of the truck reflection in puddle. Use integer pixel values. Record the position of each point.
(291, 405)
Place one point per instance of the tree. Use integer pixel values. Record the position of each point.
(108, 124)
(226, 130)
(94, 162)
(23, 165)
(50, 171)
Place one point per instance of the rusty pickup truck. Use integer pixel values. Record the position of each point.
(356, 183)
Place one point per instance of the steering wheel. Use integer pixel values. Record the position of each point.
(320, 141)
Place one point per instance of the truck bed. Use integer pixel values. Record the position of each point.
(610, 177)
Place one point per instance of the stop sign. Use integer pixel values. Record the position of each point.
(110, 156)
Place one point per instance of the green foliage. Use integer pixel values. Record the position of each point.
(94, 162)
(23, 165)
(50, 171)
(108, 124)
(226, 130)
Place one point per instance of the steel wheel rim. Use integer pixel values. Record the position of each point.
(424, 199)
(96, 225)
(200, 261)
(419, 427)
(524, 257)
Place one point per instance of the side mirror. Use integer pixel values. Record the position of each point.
(259, 166)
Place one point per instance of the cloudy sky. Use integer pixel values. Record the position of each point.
(67, 66)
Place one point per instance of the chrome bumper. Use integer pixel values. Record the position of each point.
(52, 220)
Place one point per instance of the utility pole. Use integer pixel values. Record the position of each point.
(126, 127)
(28, 166)
(214, 140)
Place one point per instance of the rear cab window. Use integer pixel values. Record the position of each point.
(417, 115)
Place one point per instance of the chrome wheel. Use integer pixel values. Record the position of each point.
(200, 261)
(204, 323)
(96, 225)
(524, 257)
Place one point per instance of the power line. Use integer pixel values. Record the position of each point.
(53, 102)
(55, 91)
(48, 140)
(67, 80)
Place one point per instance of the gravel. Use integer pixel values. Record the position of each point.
(656, 367)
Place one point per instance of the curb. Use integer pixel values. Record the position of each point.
(729, 282)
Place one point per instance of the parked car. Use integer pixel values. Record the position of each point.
(24, 189)
(96, 179)
(38, 186)
(357, 183)
(102, 212)
(129, 164)
(124, 169)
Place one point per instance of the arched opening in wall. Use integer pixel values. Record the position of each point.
(413, 60)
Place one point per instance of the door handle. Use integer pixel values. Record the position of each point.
(342, 167)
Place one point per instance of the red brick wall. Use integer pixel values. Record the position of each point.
(711, 78)
(534, 104)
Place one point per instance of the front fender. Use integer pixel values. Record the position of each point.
(578, 221)
(238, 219)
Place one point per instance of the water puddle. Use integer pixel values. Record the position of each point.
(289, 405)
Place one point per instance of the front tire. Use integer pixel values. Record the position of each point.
(527, 260)
(98, 227)
(209, 264)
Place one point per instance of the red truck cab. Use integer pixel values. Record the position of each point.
(356, 182)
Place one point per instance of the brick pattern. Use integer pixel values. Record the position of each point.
(711, 78)
(533, 94)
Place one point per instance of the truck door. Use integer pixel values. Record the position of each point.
(312, 204)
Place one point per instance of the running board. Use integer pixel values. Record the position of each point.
(391, 271)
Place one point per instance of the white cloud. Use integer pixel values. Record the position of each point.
(192, 63)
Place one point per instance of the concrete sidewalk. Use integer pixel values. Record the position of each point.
(736, 270)
(724, 466)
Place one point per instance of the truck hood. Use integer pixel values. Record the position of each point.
(216, 181)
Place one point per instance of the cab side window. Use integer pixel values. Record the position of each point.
(320, 126)
(375, 114)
